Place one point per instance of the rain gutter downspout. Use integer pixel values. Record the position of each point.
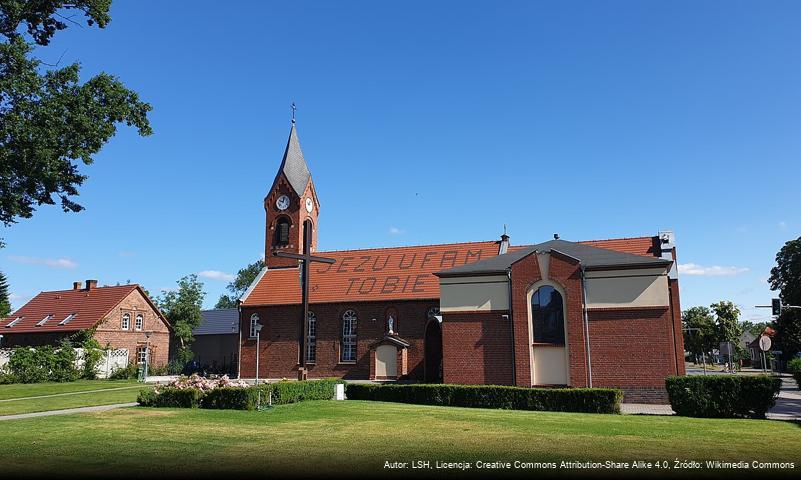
(586, 325)
(512, 328)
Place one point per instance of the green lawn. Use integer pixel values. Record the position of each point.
(358, 437)
(83, 393)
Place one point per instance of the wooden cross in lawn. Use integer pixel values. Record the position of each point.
(306, 258)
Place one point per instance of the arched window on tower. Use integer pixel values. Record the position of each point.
(282, 231)
(548, 316)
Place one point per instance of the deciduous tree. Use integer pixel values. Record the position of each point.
(50, 122)
(237, 288)
(182, 308)
(786, 278)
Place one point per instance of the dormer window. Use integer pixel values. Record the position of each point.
(44, 320)
(14, 322)
(282, 232)
(67, 319)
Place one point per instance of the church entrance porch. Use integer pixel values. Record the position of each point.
(389, 358)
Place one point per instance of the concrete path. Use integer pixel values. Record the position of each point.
(68, 411)
(70, 393)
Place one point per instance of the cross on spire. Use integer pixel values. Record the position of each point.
(293, 112)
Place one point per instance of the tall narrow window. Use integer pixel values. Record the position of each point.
(348, 350)
(126, 321)
(254, 321)
(311, 339)
(141, 355)
(548, 316)
(282, 231)
(140, 321)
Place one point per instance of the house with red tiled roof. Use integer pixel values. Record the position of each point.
(590, 313)
(122, 317)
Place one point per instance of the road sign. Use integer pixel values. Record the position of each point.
(764, 343)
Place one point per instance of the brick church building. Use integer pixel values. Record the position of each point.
(600, 313)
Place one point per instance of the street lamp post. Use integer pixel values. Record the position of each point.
(147, 352)
(258, 335)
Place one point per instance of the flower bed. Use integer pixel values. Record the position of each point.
(199, 392)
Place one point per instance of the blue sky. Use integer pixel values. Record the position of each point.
(432, 122)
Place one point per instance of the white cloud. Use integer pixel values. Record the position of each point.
(713, 271)
(396, 231)
(216, 275)
(49, 262)
(783, 225)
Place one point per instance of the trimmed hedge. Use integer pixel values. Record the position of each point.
(723, 396)
(240, 398)
(587, 400)
(171, 397)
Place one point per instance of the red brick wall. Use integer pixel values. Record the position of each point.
(110, 331)
(297, 214)
(476, 348)
(279, 338)
(631, 348)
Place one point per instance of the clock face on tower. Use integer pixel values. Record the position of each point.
(309, 204)
(282, 203)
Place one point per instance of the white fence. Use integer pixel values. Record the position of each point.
(111, 361)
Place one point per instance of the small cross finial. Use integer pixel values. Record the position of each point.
(504, 229)
(293, 112)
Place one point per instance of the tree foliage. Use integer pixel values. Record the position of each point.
(727, 316)
(182, 308)
(244, 278)
(786, 278)
(5, 302)
(700, 335)
(50, 121)
(43, 18)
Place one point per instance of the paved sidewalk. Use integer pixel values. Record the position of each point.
(68, 411)
(646, 409)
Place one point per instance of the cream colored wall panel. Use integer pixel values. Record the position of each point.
(550, 366)
(627, 291)
(473, 296)
(386, 361)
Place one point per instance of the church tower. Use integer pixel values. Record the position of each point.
(291, 207)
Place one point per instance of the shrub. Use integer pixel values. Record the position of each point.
(723, 396)
(234, 394)
(172, 397)
(231, 398)
(588, 400)
(128, 372)
(146, 397)
(794, 366)
(292, 392)
(63, 369)
(43, 364)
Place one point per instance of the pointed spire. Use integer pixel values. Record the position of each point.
(293, 166)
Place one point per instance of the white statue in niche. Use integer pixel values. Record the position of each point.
(391, 325)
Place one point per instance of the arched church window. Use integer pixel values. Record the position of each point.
(282, 231)
(548, 316)
(348, 350)
(432, 312)
(311, 338)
